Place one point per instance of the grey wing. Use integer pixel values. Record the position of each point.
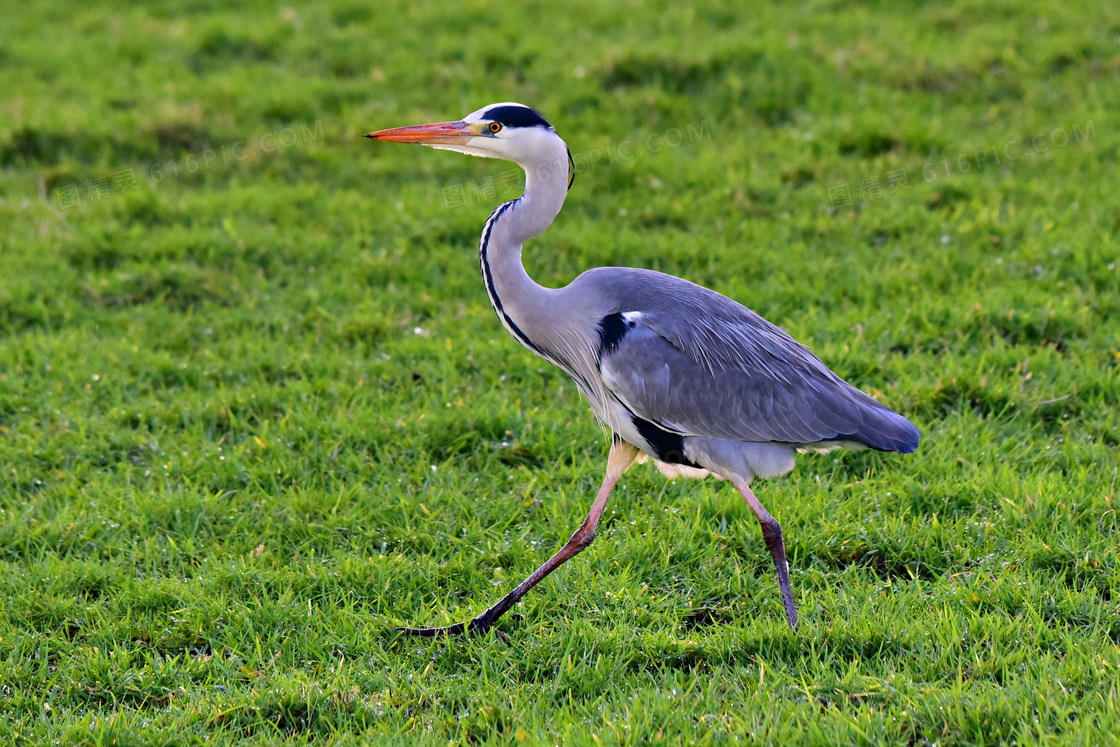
(733, 375)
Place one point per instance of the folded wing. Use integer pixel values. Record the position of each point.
(724, 372)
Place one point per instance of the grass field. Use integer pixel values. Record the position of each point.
(255, 409)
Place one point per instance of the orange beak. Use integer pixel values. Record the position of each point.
(440, 133)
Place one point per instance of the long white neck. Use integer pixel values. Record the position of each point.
(521, 304)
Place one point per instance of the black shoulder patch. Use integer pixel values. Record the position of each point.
(612, 328)
(669, 447)
(516, 116)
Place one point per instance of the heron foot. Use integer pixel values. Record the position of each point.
(477, 626)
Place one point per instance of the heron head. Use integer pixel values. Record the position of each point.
(510, 131)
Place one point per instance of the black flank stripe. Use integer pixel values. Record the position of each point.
(669, 447)
(612, 328)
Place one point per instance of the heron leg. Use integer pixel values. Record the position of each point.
(622, 455)
(772, 533)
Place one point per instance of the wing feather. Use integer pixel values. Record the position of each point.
(699, 364)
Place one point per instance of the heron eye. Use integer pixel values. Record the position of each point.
(495, 127)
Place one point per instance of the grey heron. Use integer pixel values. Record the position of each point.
(680, 374)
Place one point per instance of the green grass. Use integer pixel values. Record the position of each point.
(256, 414)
